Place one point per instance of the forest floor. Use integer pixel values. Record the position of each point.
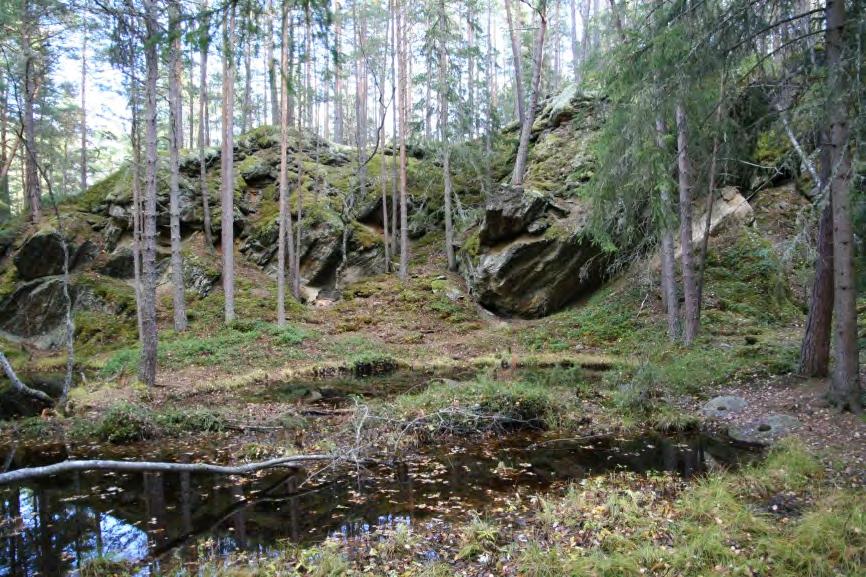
(418, 359)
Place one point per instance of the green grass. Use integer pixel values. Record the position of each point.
(484, 404)
(125, 423)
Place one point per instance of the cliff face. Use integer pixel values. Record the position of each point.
(528, 255)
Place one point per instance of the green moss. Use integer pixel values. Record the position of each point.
(117, 186)
(771, 148)
(364, 236)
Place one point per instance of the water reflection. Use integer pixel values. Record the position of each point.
(49, 527)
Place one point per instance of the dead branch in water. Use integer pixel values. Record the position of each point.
(158, 466)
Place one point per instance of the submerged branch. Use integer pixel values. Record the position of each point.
(157, 466)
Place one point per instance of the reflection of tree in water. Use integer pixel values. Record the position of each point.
(51, 527)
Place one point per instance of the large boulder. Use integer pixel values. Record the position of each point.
(533, 255)
(35, 311)
(120, 264)
(41, 255)
(509, 213)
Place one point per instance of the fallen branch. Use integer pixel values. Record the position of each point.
(20, 386)
(157, 466)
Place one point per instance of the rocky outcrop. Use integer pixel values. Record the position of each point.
(35, 311)
(41, 255)
(533, 255)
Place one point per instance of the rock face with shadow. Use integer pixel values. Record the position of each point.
(534, 256)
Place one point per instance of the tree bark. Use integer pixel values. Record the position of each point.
(575, 51)
(175, 105)
(285, 239)
(156, 466)
(383, 165)
(83, 185)
(202, 126)
(5, 199)
(815, 349)
(668, 272)
(395, 204)
(845, 386)
(147, 368)
(271, 66)
(519, 94)
(338, 80)
(691, 318)
(403, 93)
(32, 186)
(529, 114)
(444, 136)
(228, 180)
(246, 105)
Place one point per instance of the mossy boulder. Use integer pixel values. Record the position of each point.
(41, 255)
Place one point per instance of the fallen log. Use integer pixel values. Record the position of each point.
(157, 466)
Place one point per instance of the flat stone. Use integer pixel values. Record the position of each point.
(765, 430)
(721, 407)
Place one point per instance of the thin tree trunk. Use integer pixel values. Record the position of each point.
(175, 104)
(248, 62)
(403, 93)
(488, 129)
(286, 241)
(584, 39)
(668, 273)
(135, 139)
(470, 40)
(575, 51)
(691, 320)
(202, 127)
(296, 263)
(338, 78)
(360, 101)
(444, 136)
(711, 193)
(149, 273)
(395, 226)
(83, 185)
(845, 387)
(519, 94)
(617, 20)
(383, 165)
(529, 114)
(271, 67)
(5, 200)
(32, 187)
(228, 180)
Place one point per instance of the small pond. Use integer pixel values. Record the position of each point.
(50, 526)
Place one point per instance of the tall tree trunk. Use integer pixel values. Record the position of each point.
(308, 56)
(135, 140)
(691, 319)
(202, 126)
(285, 240)
(529, 114)
(148, 264)
(488, 129)
(444, 135)
(248, 62)
(360, 100)
(32, 186)
(845, 387)
(403, 104)
(395, 204)
(470, 89)
(83, 185)
(296, 264)
(228, 179)
(668, 272)
(175, 105)
(584, 37)
(815, 349)
(519, 94)
(271, 66)
(5, 199)
(190, 86)
(575, 51)
(617, 19)
(383, 165)
(338, 78)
